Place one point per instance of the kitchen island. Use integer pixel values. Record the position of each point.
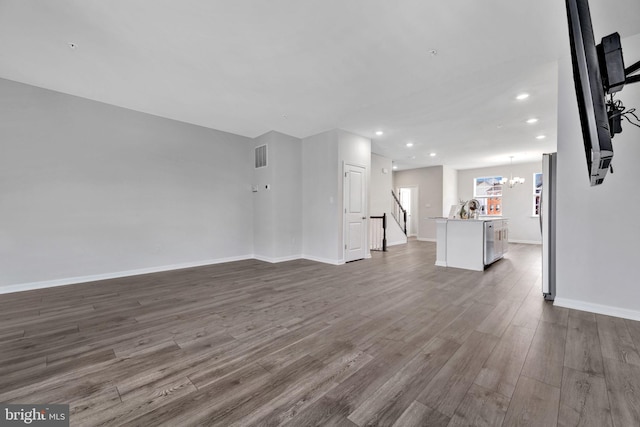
(471, 244)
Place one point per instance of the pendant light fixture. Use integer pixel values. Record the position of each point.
(513, 181)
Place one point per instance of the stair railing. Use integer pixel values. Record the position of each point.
(399, 213)
(378, 233)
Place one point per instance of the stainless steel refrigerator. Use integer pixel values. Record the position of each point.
(548, 225)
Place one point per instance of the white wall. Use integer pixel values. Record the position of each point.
(381, 200)
(381, 185)
(303, 217)
(597, 231)
(449, 189)
(263, 203)
(321, 197)
(413, 215)
(517, 202)
(287, 193)
(92, 191)
(355, 150)
(323, 157)
(429, 183)
(277, 211)
(88, 189)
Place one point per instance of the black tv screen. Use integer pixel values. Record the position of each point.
(590, 91)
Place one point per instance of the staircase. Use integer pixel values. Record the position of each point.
(399, 213)
(384, 232)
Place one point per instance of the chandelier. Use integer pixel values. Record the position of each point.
(512, 181)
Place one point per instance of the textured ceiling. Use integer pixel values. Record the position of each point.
(302, 67)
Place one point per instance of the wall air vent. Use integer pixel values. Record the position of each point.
(261, 156)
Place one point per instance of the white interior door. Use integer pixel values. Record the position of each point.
(355, 216)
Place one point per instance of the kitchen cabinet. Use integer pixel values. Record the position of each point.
(496, 243)
(471, 244)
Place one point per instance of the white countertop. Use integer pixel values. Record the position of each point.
(485, 219)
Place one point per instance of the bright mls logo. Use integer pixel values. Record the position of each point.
(34, 415)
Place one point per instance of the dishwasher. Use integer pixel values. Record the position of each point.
(489, 243)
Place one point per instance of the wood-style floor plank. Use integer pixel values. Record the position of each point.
(460, 329)
(288, 404)
(390, 400)
(418, 415)
(533, 404)
(342, 400)
(554, 314)
(499, 319)
(448, 388)
(390, 341)
(583, 400)
(582, 351)
(616, 341)
(545, 359)
(480, 407)
(501, 371)
(530, 310)
(634, 332)
(623, 386)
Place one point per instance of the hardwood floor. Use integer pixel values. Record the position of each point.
(391, 341)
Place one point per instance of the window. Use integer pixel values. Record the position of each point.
(537, 193)
(488, 191)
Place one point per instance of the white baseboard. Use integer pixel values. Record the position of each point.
(95, 277)
(597, 308)
(277, 259)
(526, 242)
(397, 242)
(441, 264)
(426, 239)
(294, 257)
(323, 260)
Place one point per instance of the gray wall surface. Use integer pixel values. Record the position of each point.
(277, 211)
(321, 204)
(597, 232)
(381, 185)
(449, 189)
(88, 189)
(517, 202)
(264, 211)
(354, 150)
(323, 158)
(429, 183)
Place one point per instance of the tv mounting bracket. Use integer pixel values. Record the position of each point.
(611, 61)
(630, 70)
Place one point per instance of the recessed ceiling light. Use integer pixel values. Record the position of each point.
(522, 96)
(379, 132)
(540, 137)
(432, 154)
(409, 144)
(72, 45)
(433, 52)
(532, 120)
(394, 167)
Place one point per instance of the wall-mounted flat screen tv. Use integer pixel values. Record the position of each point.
(590, 91)
(598, 72)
